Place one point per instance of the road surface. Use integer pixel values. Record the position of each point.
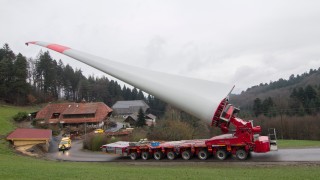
(76, 153)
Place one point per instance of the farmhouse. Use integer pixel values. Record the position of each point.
(23, 137)
(74, 114)
(129, 107)
(132, 119)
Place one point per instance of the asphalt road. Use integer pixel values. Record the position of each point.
(76, 153)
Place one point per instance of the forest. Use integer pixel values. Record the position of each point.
(27, 81)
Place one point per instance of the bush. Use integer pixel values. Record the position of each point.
(171, 130)
(93, 142)
(21, 116)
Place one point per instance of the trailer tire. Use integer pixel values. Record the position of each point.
(241, 154)
(186, 155)
(171, 155)
(145, 155)
(134, 155)
(203, 154)
(158, 155)
(221, 154)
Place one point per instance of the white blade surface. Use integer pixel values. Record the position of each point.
(195, 96)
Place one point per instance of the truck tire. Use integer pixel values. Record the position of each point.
(158, 155)
(171, 155)
(186, 155)
(241, 154)
(221, 154)
(134, 155)
(203, 154)
(145, 155)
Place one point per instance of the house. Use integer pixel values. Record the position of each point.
(23, 137)
(93, 114)
(151, 119)
(129, 107)
(132, 119)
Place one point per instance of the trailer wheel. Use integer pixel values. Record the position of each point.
(186, 155)
(158, 155)
(203, 154)
(145, 155)
(134, 155)
(221, 154)
(241, 154)
(171, 155)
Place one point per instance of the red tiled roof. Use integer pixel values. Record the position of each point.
(81, 108)
(100, 110)
(31, 134)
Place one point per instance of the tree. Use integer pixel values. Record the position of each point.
(257, 107)
(7, 58)
(266, 106)
(141, 121)
(19, 87)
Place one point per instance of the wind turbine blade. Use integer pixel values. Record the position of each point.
(195, 96)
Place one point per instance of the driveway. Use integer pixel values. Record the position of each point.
(76, 153)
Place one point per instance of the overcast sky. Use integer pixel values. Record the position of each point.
(239, 42)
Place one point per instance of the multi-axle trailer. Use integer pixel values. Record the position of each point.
(239, 143)
(198, 97)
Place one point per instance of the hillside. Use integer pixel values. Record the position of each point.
(279, 90)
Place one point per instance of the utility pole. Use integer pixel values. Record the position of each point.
(85, 131)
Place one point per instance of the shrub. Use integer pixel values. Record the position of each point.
(21, 116)
(171, 130)
(93, 142)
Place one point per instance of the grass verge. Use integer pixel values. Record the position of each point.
(282, 144)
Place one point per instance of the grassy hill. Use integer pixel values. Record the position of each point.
(15, 166)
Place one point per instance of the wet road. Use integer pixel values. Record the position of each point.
(76, 153)
(282, 155)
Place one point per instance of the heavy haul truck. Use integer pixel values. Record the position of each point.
(200, 98)
(240, 143)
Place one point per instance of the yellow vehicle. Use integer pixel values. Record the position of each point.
(98, 131)
(65, 144)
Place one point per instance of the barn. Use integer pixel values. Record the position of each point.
(23, 137)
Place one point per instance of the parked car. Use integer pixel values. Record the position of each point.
(98, 131)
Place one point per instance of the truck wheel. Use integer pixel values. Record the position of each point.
(241, 154)
(145, 155)
(158, 155)
(186, 155)
(203, 154)
(221, 154)
(134, 155)
(171, 155)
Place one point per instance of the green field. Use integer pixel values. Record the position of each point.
(15, 166)
(297, 143)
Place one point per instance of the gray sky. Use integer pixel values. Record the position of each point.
(239, 42)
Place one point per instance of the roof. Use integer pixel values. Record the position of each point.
(128, 104)
(81, 108)
(150, 116)
(74, 112)
(30, 134)
(129, 107)
(132, 116)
